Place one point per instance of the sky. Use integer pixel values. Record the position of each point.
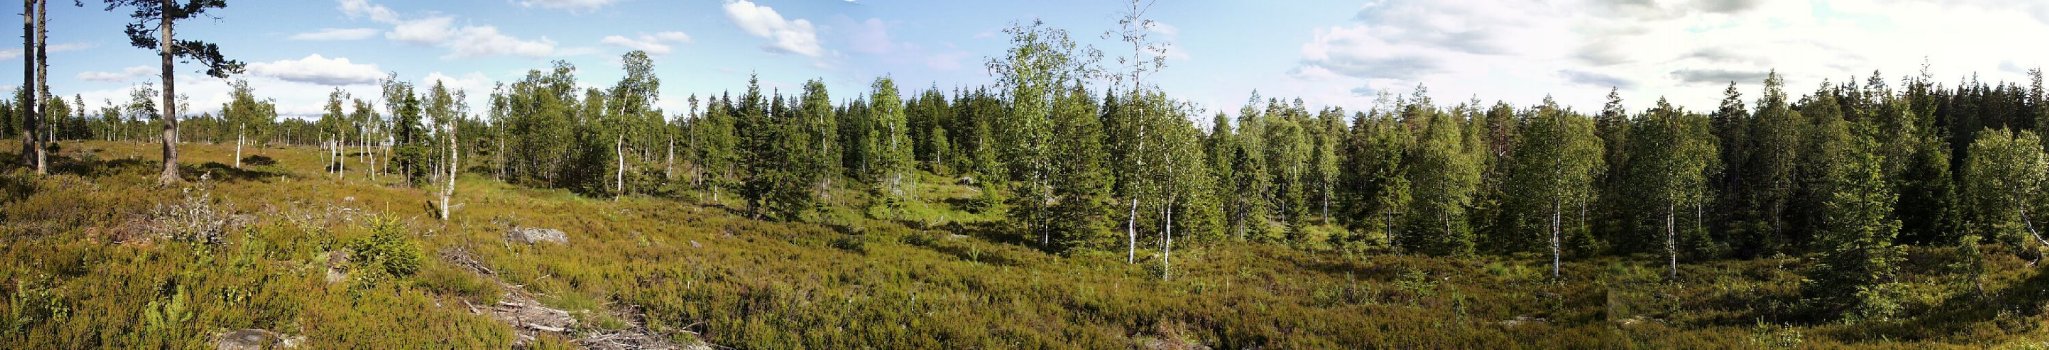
(1328, 53)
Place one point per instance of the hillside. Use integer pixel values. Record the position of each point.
(97, 256)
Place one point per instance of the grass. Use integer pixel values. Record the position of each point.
(83, 266)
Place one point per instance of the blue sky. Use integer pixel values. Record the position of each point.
(1338, 53)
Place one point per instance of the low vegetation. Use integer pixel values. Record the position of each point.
(89, 269)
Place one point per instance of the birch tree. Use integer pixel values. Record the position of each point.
(1555, 167)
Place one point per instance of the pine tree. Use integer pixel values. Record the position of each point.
(1768, 171)
(152, 29)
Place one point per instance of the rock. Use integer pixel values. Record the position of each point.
(531, 235)
(254, 339)
(337, 266)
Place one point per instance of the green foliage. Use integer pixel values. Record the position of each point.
(1443, 176)
(2003, 181)
(387, 252)
(1858, 264)
(1041, 62)
(889, 145)
(1669, 176)
(1376, 191)
(1552, 175)
(1081, 183)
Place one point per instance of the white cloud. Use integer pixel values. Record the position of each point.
(13, 53)
(487, 41)
(654, 44)
(573, 5)
(462, 41)
(785, 36)
(336, 34)
(428, 31)
(125, 75)
(474, 83)
(363, 8)
(1685, 50)
(318, 70)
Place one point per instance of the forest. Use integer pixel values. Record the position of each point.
(1879, 212)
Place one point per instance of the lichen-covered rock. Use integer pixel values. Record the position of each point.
(531, 235)
(254, 339)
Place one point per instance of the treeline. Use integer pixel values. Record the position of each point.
(1078, 160)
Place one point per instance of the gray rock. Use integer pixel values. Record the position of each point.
(531, 235)
(254, 339)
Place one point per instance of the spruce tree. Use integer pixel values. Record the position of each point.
(1081, 183)
(1857, 255)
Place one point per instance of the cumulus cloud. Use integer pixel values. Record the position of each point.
(429, 31)
(486, 41)
(318, 70)
(125, 75)
(365, 9)
(785, 36)
(336, 34)
(654, 44)
(573, 5)
(1683, 49)
(461, 41)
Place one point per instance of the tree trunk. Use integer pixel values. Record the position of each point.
(1672, 240)
(619, 185)
(170, 117)
(28, 81)
(2030, 224)
(1131, 233)
(501, 157)
(239, 136)
(42, 86)
(1326, 203)
(1557, 215)
(1387, 220)
(1167, 249)
(669, 160)
(448, 191)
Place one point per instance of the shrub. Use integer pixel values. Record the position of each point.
(387, 250)
(851, 243)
